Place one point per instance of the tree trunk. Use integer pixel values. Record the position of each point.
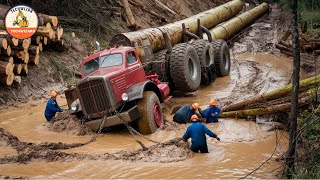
(35, 40)
(53, 20)
(304, 85)
(130, 17)
(3, 43)
(264, 111)
(295, 91)
(24, 43)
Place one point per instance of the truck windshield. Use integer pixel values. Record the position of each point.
(104, 61)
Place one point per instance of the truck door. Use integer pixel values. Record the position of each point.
(136, 72)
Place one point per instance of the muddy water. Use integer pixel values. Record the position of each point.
(244, 144)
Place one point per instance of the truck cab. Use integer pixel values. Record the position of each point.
(114, 86)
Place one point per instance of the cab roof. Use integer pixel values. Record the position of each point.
(119, 50)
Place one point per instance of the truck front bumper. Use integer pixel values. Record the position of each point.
(127, 116)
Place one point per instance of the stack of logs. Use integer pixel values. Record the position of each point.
(17, 54)
(307, 45)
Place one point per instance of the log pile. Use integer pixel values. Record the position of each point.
(275, 101)
(17, 54)
(308, 44)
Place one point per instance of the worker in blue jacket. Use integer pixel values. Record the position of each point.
(211, 113)
(184, 114)
(197, 131)
(52, 107)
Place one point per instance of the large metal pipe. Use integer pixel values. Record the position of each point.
(229, 28)
(154, 36)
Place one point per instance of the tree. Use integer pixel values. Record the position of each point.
(295, 90)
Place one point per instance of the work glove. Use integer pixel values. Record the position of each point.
(218, 138)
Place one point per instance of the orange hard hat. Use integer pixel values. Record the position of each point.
(213, 102)
(194, 117)
(53, 94)
(195, 106)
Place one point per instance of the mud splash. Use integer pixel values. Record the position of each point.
(69, 124)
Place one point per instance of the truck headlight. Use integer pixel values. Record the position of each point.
(125, 97)
(74, 107)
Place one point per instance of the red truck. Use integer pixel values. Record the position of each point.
(114, 85)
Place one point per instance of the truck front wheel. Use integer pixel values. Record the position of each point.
(150, 113)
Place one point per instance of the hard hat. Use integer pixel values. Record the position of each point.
(213, 102)
(53, 94)
(194, 117)
(195, 106)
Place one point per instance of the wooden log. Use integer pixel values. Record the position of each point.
(286, 53)
(3, 43)
(35, 40)
(7, 59)
(278, 93)
(285, 44)
(264, 111)
(45, 40)
(34, 59)
(49, 33)
(17, 79)
(13, 42)
(24, 43)
(26, 57)
(34, 49)
(130, 17)
(48, 19)
(40, 47)
(17, 69)
(24, 70)
(8, 50)
(6, 68)
(7, 79)
(282, 47)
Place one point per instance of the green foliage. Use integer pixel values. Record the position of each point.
(308, 10)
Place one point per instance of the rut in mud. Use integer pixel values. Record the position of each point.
(171, 151)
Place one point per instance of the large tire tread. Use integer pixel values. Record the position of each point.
(179, 68)
(221, 49)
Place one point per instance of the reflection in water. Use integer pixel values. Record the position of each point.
(244, 144)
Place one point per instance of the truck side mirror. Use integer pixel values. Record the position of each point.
(98, 46)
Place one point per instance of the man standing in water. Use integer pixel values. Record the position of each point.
(197, 131)
(211, 113)
(52, 107)
(184, 114)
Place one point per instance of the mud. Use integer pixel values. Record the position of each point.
(69, 124)
(171, 151)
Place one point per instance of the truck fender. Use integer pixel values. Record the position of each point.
(136, 91)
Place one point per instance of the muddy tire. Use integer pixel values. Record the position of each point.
(185, 70)
(204, 50)
(150, 113)
(221, 57)
(159, 66)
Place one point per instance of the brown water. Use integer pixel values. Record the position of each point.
(244, 144)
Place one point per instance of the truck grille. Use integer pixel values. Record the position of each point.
(94, 96)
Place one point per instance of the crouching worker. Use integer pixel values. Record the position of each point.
(184, 114)
(197, 131)
(211, 113)
(52, 107)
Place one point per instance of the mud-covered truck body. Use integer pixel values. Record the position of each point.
(114, 86)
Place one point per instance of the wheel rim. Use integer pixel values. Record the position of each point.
(209, 59)
(225, 62)
(192, 69)
(157, 115)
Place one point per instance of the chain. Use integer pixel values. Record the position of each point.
(133, 131)
(99, 130)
